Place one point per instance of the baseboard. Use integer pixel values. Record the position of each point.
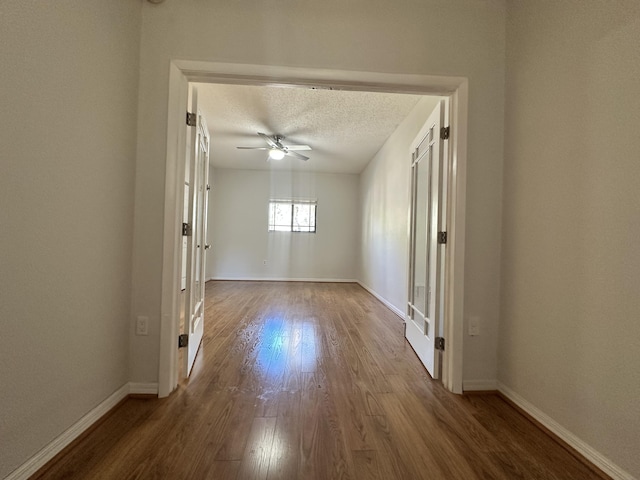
(564, 436)
(281, 279)
(143, 388)
(41, 458)
(479, 385)
(391, 307)
(44, 456)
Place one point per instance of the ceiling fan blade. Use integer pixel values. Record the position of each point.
(297, 155)
(275, 143)
(297, 147)
(269, 140)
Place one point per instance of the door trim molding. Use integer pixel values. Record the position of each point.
(181, 72)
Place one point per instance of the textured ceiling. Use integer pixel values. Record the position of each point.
(345, 129)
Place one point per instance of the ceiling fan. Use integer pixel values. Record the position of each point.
(277, 150)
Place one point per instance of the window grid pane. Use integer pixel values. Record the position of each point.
(292, 216)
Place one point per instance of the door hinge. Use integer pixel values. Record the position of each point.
(439, 343)
(183, 340)
(444, 133)
(208, 187)
(186, 230)
(442, 238)
(192, 119)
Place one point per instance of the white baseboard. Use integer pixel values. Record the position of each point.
(391, 307)
(479, 385)
(281, 279)
(143, 388)
(41, 458)
(588, 452)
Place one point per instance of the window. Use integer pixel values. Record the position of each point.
(292, 216)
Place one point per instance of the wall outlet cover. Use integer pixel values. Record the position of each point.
(142, 326)
(474, 326)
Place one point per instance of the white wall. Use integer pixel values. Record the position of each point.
(239, 219)
(438, 37)
(68, 89)
(569, 332)
(384, 211)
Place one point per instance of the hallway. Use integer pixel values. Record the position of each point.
(312, 381)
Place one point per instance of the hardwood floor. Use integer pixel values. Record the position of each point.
(312, 381)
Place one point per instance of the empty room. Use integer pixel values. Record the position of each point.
(341, 239)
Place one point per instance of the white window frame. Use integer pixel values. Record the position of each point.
(272, 227)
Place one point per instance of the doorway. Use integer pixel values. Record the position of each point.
(182, 72)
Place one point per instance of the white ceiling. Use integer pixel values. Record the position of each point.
(344, 128)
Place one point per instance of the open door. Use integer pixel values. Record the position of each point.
(426, 240)
(195, 231)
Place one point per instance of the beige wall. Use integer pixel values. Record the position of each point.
(569, 332)
(238, 218)
(68, 89)
(453, 37)
(568, 340)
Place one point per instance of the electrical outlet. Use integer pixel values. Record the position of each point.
(142, 326)
(474, 326)
(264, 262)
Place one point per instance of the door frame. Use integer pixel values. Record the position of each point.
(181, 72)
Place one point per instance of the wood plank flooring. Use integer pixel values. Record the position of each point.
(312, 381)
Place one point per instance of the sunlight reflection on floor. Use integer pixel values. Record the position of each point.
(286, 345)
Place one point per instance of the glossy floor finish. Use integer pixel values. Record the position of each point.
(312, 381)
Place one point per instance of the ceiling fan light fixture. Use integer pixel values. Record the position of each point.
(276, 154)
(277, 150)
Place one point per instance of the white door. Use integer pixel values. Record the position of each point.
(185, 219)
(424, 309)
(198, 174)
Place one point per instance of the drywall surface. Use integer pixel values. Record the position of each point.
(569, 333)
(68, 89)
(384, 211)
(436, 37)
(241, 242)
